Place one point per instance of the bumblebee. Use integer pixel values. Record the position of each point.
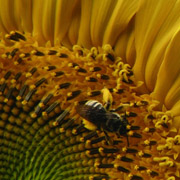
(100, 117)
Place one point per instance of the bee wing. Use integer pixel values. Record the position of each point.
(82, 110)
(91, 113)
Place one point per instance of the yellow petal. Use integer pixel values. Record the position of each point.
(121, 16)
(74, 27)
(25, 12)
(148, 24)
(9, 15)
(121, 45)
(63, 17)
(176, 113)
(173, 94)
(84, 38)
(101, 12)
(125, 47)
(37, 18)
(169, 69)
(167, 30)
(48, 19)
(130, 51)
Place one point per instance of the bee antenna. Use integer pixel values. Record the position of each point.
(112, 110)
(125, 115)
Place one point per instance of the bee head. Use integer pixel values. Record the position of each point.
(113, 122)
(116, 123)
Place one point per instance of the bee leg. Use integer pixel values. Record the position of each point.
(107, 105)
(118, 135)
(108, 140)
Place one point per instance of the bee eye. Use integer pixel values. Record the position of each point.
(113, 122)
(115, 116)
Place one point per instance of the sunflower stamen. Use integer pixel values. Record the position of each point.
(125, 159)
(78, 129)
(99, 165)
(97, 140)
(38, 83)
(60, 119)
(94, 93)
(140, 168)
(2, 88)
(29, 96)
(9, 94)
(95, 69)
(50, 108)
(69, 123)
(52, 52)
(122, 169)
(107, 150)
(6, 76)
(49, 68)
(135, 177)
(22, 92)
(45, 100)
(37, 53)
(24, 55)
(129, 150)
(152, 173)
(88, 136)
(98, 178)
(19, 61)
(15, 36)
(73, 94)
(13, 52)
(58, 73)
(62, 55)
(145, 155)
(91, 79)
(64, 85)
(92, 151)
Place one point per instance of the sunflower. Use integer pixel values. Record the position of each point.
(62, 60)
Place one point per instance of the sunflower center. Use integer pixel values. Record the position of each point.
(43, 133)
